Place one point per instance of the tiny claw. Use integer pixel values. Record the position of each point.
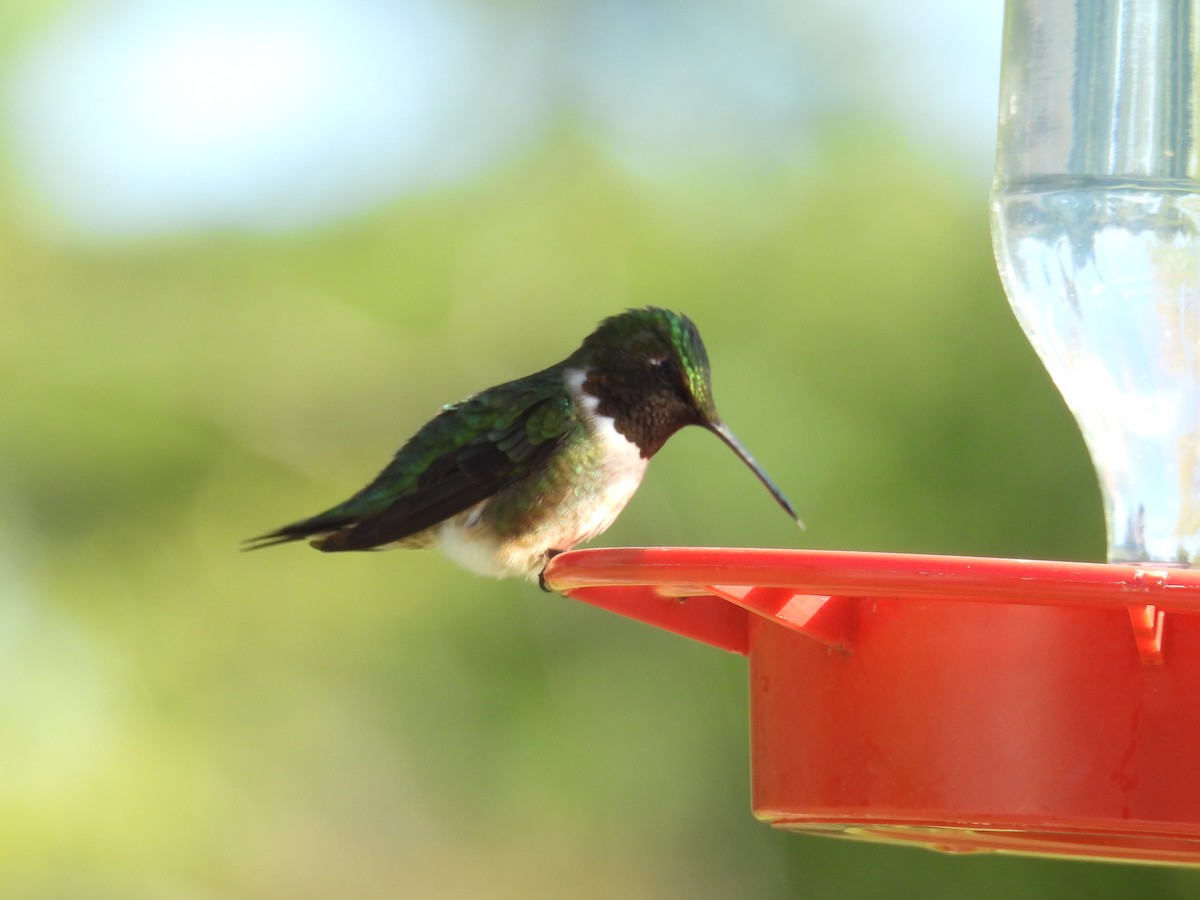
(550, 554)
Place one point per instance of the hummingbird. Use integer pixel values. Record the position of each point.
(508, 478)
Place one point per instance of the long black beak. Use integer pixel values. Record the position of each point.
(722, 431)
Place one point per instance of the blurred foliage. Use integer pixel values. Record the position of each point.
(183, 720)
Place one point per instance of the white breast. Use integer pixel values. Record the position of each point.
(624, 464)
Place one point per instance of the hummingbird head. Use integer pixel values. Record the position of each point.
(648, 370)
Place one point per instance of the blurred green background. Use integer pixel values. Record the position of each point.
(229, 293)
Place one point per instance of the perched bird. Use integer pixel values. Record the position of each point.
(506, 479)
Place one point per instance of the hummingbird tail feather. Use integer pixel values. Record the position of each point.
(321, 528)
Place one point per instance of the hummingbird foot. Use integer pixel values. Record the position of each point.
(550, 554)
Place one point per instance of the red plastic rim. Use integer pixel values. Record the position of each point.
(725, 586)
(963, 704)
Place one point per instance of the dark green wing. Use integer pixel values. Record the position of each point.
(469, 452)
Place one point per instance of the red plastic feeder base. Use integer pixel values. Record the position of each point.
(956, 703)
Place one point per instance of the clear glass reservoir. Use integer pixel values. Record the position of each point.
(1096, 225)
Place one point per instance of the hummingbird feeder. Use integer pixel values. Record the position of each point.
(970, 704)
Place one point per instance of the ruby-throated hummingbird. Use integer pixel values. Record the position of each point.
(506, 479)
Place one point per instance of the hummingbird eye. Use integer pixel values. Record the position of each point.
(664, 367)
